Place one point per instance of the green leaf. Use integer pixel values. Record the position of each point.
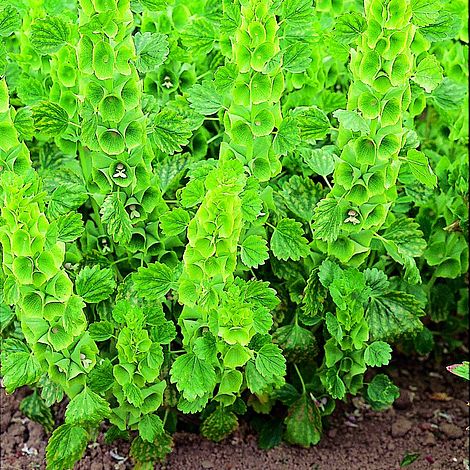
(95, 284)
(35, 408)
(150, 427)
(352, 121)
(101, 331)
(461, 370)
(66, 447)
(270, 362)
(328, 219)
(200, 36)
(349, 27)
(287, 241)
(377, 354)
(192, 376)
(174, 222)
(116, 218)
(154, 281)
(296, 58)
(50, 119)
(204, 98)
(449, 95)
(333, 326)
(219, 424)
(303, 423)
(152, 50)
(24, 123)
(297, 13)
(425, 12)
(297, 343)
(428, 74)
(301, 195)
(447, 26)
(169, 131)
(420, 168)
(18, 369)
(287, 136)
(147, 453)
(254, 251)
(393, 314)
(381, 392)
(70, 227)
(313, 123)
(87, 408)
(49, 34)
(408, 459)
(10, 21)
(321, 161)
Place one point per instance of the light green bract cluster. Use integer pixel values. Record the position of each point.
(226, 209)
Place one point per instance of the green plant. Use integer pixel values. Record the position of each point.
(226, 208)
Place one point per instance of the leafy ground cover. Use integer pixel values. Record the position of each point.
(226, 208)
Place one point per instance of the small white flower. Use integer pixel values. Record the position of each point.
(120, 171)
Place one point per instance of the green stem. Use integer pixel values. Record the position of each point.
(304, 390)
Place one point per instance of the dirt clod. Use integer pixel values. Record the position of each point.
(451, 430)
(400, 427)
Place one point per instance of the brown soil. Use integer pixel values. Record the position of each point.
(429, 419)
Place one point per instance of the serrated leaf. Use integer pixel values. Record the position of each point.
(254, 251)
(328, 219)
(301, 195)
(270, 362)
(303, 423)
(66, 446)
(117, 220)
(10, 21)
(18, 369)
(200, 36)
(447, 26)
(87, 408)
(419, 166)
(95, 284)
(152, 50)
(425, 11)
(381, 392)
(204, 98)
(297, 343)
(154, 281)
(313, 123)
(428, 74)
(35, 408)
(288, 242)
(49, 34)
(50, 119)
(169, 131)
(392, 315)
(321, 161)
(70, 227)
(349, 27)
(287, 136)
(377, 354)
(101, 331)
(219, 424)
(193, 377)
(175, 222)
(296, 58)
(150, 427)
(352, 121)
(449, 95)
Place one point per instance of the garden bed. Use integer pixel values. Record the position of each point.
(428, 419)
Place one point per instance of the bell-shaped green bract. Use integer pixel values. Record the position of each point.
(50, 314)
(366, 173)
